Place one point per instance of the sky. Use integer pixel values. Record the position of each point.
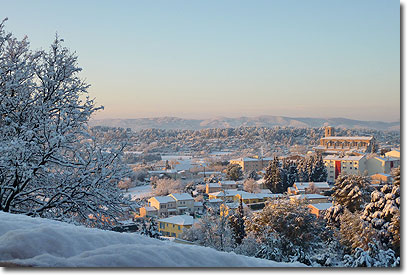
(205, 59)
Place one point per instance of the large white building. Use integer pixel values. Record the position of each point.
(349, 165)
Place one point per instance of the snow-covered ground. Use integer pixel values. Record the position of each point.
(139, 192)
(47, 243)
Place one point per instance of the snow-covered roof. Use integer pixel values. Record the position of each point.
(387, 159)
(348, 138)
(308, 196)
(248, 195)
(344, 158)
(181, 196)
(213, 185)
(227, 182)
(246, 159)
(321, 206)
(150, 209)
(179, 220)
(169, 171)
(269, 195)
(383, 174)
(305, 185)
(227, 192)
(162, 199)
(214, 200)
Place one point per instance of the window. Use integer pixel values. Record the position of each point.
(179, 227)
(350, 167)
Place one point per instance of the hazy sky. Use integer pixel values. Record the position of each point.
(201, 59)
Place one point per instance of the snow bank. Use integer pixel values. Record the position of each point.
(47, 243)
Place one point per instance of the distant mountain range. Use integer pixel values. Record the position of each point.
(258, 121)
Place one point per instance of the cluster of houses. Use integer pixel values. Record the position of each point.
(341, 155)
(178, 211)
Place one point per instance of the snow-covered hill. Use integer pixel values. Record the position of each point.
(226, 122)
(47, 243)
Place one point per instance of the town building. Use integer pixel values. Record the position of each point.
(380, 178)
(300, 187)
(255, 163)
(319, 209)
(348, 165)
(213, 187)
(378, 164)
(393, 154)
(228, 184)
(334, 144)
(184, 202)
(310, 198)
(164, 204)
(175, 225)
(148, 211)
(172, 204)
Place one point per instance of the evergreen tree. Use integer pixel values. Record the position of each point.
(309, 168)
(253, 175)
(273, 177)
(352, 192)
(234, 172)
(383, 212)
(302, 171)
(319, 173)
(292, 174)
(237, 224)
(144, 229)
(153, 229)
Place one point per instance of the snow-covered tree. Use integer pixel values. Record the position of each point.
(234, 172)
(144, 229)
(50, 163)
(373, 257)
(319, 172)
(351, 192)
(153, 231)
(167, 186)
(383, 212)
(287, 232)
(273, 177)
(237, 224)
(211, 230)
(253, 175)
(250, 185)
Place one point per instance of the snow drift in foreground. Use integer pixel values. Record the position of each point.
(47, 243)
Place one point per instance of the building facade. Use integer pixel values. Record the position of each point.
(255, 163)
(348, 165)
(342, 144)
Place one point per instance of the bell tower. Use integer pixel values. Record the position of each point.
(329, 131)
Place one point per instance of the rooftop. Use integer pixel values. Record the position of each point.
(344, 158)
(347, 138)
(181, 196)
(321, 206)
(163, 199)
(179, 220)
(305, 185)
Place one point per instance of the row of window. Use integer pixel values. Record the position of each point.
(162, 225)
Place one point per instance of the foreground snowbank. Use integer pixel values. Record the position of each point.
(47, 243)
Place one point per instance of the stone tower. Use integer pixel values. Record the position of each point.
(329, 131)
